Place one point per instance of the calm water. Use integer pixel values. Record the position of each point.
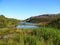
(21, 25)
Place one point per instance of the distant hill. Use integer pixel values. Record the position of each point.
(7, 22)
(43, 18)
(51, 20)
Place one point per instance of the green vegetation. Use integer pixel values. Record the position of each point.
(39, 36)
(7, 22)
(47, 34)
(55, 23)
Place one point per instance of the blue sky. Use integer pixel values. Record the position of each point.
(22, 9)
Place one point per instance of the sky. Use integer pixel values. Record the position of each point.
(23, 9)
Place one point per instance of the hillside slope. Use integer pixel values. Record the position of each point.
(7, 22)
(43, 18)
(51, 20)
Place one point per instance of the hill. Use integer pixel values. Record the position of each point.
(7, 22)
(43, 18)
(46, 19)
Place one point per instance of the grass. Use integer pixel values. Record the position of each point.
(37, 36)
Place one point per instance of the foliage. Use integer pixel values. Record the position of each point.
(38, 36)
(7, 22)
(55, 23)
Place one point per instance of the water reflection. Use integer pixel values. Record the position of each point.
(25, 25)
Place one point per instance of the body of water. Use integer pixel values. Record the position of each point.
(26, 25)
